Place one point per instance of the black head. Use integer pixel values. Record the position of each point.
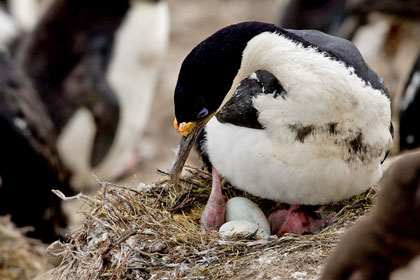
(205, 78)
(207, 72)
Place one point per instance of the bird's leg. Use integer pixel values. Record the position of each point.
(213, 215)
(294, 220)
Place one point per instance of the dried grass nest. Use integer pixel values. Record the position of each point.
(153, 232)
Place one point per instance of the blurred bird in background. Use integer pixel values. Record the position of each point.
(27, 13)
(29, 163)
(76, 98)
(409, 107)
(8, 26)
(95, 66)
(18, 18)
(323, 15)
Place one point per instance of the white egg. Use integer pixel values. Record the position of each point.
(242, 228)
(241, 208)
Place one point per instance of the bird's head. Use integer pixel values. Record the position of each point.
(199, 92)
(204, 80)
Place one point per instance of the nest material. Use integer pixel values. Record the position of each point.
(154, 232)
(20, 257)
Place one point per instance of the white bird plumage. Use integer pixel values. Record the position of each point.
(271, 162)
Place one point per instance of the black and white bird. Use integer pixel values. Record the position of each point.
(409, 130)
(320, 135)
(95, 65)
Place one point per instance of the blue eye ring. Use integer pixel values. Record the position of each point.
(203, 113)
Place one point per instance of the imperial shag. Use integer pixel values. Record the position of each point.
(315, 132)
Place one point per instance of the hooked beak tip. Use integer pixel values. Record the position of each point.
(184, 128)
(191, 130)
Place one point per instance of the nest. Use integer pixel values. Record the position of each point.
(153, 232)
(20, 257)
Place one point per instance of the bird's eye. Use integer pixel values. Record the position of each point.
(203, 113)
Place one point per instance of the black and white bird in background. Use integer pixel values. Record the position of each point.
(323, 15)
(77, 103)
(410, 110)
(315, 131)
(27, 13)
(18, 18)
(8, 26)
(343, 18)
(95, 65)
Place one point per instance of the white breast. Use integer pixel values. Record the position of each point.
(289, 172)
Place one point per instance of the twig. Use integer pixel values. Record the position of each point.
(75, 197)
(104, 184)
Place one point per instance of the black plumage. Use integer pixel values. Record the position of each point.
(239, 110)
(29, 165)
(410, 110)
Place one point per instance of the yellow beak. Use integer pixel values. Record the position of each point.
(184, 128)
(189, 132)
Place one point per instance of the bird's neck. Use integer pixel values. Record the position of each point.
(217, 61)
(255, 56)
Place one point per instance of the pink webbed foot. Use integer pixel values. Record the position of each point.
(213, 215)
(294, 220)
